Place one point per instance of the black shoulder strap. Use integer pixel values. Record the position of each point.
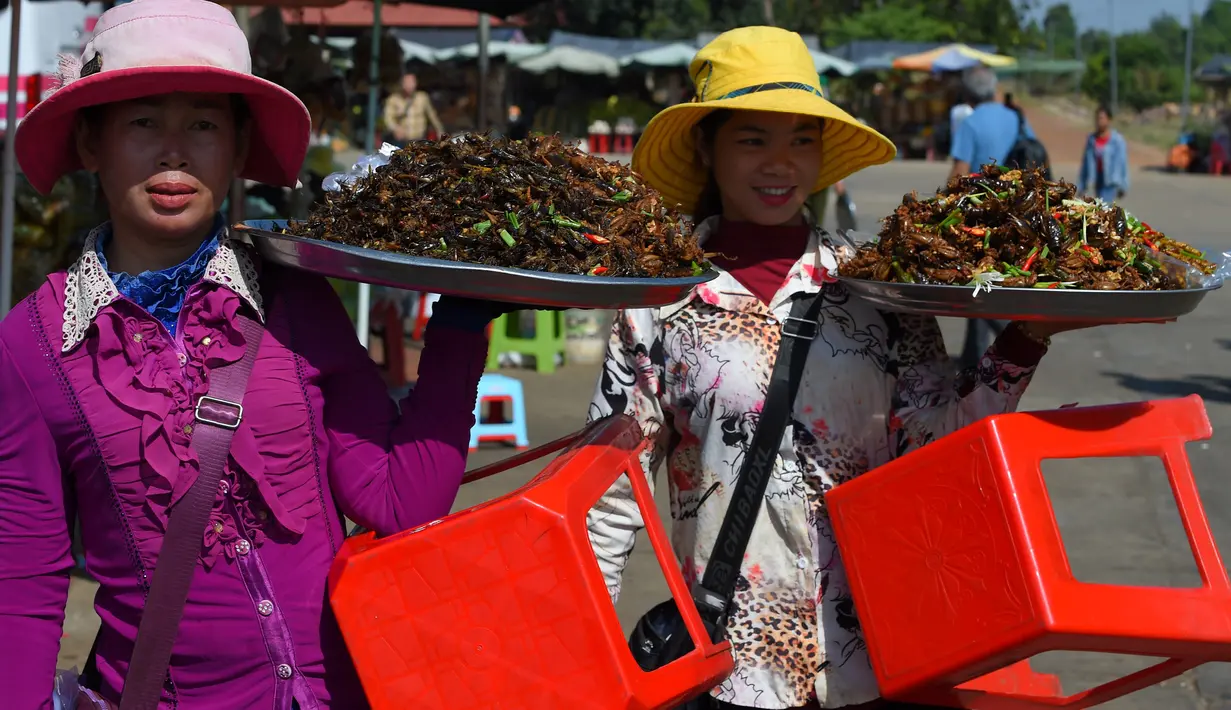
(1021, 123)
(718, 583)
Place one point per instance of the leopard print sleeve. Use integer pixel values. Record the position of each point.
(630, 383)
(932, 399)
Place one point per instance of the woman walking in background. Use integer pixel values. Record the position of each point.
(1104, 164)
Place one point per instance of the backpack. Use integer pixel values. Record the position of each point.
(1027, 152)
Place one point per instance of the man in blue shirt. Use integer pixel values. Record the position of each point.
(985, 136)
(989, 132)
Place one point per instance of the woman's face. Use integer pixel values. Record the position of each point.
(165, 163)
(766, 165)
(1101, 120)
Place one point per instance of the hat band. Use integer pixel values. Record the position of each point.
(774, 86)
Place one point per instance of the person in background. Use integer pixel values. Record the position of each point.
(1104, 163)
(985, 136)
(517, 127)
(409, 113)
(989, 132)
(819, 201)
(960, 111)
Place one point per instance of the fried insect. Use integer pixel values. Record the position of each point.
(1029, 232)
(534, 204)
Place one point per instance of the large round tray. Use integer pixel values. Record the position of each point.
(532, 288)
(1035, 304)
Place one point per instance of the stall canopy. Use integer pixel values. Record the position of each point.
(510, 51)
(1215, 71)
(829, 64)
(950, 58)
(668, 56)
(571, 59)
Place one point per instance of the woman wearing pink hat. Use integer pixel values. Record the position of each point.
(208, 418)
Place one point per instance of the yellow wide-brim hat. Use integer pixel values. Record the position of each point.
(752, 69)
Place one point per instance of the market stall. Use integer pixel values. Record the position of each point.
(919, 121)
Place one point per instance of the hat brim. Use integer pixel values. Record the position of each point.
(281, 128)
(665, 155)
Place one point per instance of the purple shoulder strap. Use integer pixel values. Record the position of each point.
(218, 415)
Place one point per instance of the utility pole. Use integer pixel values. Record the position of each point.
(485, 36)
(767, 7)
(1186, 104)
(8, 209)
(1115, 70)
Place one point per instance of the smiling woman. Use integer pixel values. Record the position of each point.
(742, 185)
(742, 157)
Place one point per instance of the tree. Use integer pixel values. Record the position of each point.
(902, 20)
(1060, 31)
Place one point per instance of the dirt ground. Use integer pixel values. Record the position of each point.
(1065, 137)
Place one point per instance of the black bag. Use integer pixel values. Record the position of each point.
(660, 636)
(1027, 152)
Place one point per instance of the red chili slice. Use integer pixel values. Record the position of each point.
(597, 239)
(598, 271)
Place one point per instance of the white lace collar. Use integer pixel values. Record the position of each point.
(88, 289)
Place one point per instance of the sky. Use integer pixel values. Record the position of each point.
(1130, 15)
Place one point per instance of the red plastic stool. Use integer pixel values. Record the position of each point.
(503, 605)
(959, 573)
(1218, 158)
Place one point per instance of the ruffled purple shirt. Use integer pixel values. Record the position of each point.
(98, 401)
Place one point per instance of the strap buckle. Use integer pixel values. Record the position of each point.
(800, 328)
(219, 412)
(710, 604)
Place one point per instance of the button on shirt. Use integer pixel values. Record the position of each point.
(987, 135)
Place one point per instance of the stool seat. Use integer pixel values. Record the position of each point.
(545, 344)
(499, 390)
(503, 605)
(959, 574)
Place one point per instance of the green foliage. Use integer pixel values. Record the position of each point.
(898, 20)
(1150, 62)
(996, 22)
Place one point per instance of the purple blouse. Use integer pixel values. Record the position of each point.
(97, 401)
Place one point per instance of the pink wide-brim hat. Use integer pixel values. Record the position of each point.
(151, 47)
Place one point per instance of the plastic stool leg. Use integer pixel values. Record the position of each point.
(478, 423)
(498, 341)
(519, 419)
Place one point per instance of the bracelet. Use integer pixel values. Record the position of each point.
(1040, 340)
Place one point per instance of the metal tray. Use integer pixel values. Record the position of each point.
(531, 288)
(1035, 304)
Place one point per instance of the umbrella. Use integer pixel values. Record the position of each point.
(924, 61)
(499, 8)
(953, 60)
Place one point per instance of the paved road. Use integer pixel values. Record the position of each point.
(1117, 516)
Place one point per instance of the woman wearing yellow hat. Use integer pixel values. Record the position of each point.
(742, 157)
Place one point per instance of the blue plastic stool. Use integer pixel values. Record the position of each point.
(500, 389)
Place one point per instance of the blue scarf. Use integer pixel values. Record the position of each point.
(161, 293)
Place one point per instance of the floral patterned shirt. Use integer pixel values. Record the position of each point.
(876, 386)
